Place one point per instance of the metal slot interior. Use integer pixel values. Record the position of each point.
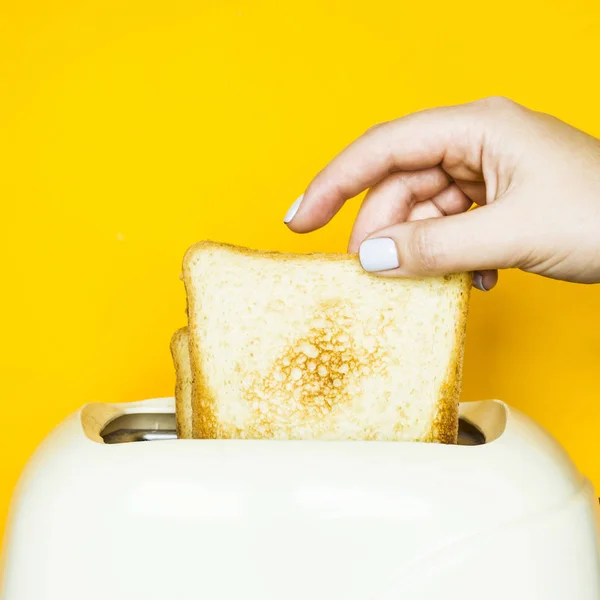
(469, 434)
(149, 427)
(140, 427)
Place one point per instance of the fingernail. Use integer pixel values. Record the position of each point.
(478, 282)
(293, 209)
(378, 255)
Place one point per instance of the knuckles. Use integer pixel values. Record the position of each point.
(425, 251)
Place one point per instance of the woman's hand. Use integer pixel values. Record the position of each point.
(535, 179)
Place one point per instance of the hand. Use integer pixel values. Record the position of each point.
(533, 181)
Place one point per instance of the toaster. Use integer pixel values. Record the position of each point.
(112, 505)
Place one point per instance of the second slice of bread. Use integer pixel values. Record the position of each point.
(180, 351)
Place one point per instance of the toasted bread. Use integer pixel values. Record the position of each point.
(180, 352)
(287, 346)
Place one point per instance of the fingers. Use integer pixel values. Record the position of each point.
(404, 197)
(450, 201)
(451, 136)
(392, 200)
(481, 240)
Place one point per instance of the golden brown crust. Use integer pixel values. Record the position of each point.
(445, 423)
(204, 421)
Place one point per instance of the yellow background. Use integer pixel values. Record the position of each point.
(130, 130)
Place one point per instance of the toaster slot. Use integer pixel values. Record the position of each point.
(140, 427)
(469, 434)
(150, 427)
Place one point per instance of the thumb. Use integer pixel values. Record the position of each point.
(478, 240)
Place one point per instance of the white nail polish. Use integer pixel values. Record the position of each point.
(478, 282)
(378, 255)
(291, 213)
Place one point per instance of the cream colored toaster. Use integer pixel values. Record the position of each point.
(112, 506)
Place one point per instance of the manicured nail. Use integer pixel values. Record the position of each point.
(478, 282)
(291, 213)
(378, 255)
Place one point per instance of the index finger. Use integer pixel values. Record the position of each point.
(418, 141)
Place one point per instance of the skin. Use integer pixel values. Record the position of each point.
(533, 181)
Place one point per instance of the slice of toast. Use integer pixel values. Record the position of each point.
(288, 346)
(180, 351)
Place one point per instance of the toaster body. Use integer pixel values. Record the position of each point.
(98, 514)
